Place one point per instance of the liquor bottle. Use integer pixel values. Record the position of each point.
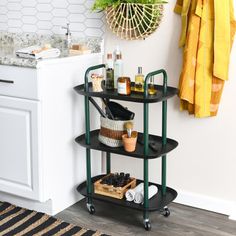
(109, 84)
(139, 81)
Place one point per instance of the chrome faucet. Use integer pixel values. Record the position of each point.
(68, 35)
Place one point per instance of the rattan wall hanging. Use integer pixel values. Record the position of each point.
(134, 20)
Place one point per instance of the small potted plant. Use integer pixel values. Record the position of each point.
(131, 19)
(130, 138)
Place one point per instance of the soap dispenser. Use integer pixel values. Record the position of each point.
(68, 36)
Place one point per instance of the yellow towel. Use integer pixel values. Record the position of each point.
(232, 23)
(203, 73)
(179, 6)
(182, 7)
(222, 38)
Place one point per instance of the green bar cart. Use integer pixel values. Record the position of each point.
(163, 145)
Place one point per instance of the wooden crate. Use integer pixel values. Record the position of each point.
(110, 191)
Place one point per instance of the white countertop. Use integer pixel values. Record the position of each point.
(10, 42)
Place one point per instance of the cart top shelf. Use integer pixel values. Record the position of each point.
(134, 97)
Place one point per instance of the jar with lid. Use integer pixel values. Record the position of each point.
(124, 86)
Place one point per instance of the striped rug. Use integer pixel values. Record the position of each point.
(22, 222)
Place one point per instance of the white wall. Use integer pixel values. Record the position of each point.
(48, 16)
(202, 168)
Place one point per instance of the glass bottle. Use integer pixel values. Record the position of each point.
(151, 87)
(109, 84)
(139, 81)
(124, 86)
(118, 68)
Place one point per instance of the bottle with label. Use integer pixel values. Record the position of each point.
(124, 86)
(109, 84)
(151, 87)
(139, 81)
(118, 68)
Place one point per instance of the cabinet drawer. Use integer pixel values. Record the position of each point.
(18, 82)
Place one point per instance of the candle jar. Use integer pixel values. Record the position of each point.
(97, 82)
(124, 86)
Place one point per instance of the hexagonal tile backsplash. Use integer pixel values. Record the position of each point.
(48, 17)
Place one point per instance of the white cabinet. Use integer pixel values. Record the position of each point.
(40, 116)
(19, 147)
(18, 82)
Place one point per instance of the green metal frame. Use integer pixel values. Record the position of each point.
(87, 132)
(146, 137)
(108, 162)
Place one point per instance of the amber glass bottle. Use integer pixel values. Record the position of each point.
(124, 86)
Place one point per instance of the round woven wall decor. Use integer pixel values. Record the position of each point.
(134, 20)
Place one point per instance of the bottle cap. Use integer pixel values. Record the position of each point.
(118, 57)
(109, 55)
(140, 69)
(127, 176)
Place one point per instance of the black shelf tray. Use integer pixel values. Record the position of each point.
(134, 97)
(138, 153)
(156, 203)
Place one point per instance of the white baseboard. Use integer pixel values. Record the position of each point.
(207, 203)
(232, 216)
(61, 204)
(50, 207)
(45, 207)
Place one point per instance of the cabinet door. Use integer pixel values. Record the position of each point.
(19, 159)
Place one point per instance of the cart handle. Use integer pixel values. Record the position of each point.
(149, 75)
(86, 88)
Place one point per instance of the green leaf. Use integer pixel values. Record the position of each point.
(103, 4)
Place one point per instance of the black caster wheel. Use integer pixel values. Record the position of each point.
(147, 226)
(166, 212)
(91, 209)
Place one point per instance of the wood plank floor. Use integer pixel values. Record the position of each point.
(183, 221)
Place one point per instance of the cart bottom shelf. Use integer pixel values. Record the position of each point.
(156, 203)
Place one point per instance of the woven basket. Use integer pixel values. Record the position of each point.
(111, 132)
(134, 20)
